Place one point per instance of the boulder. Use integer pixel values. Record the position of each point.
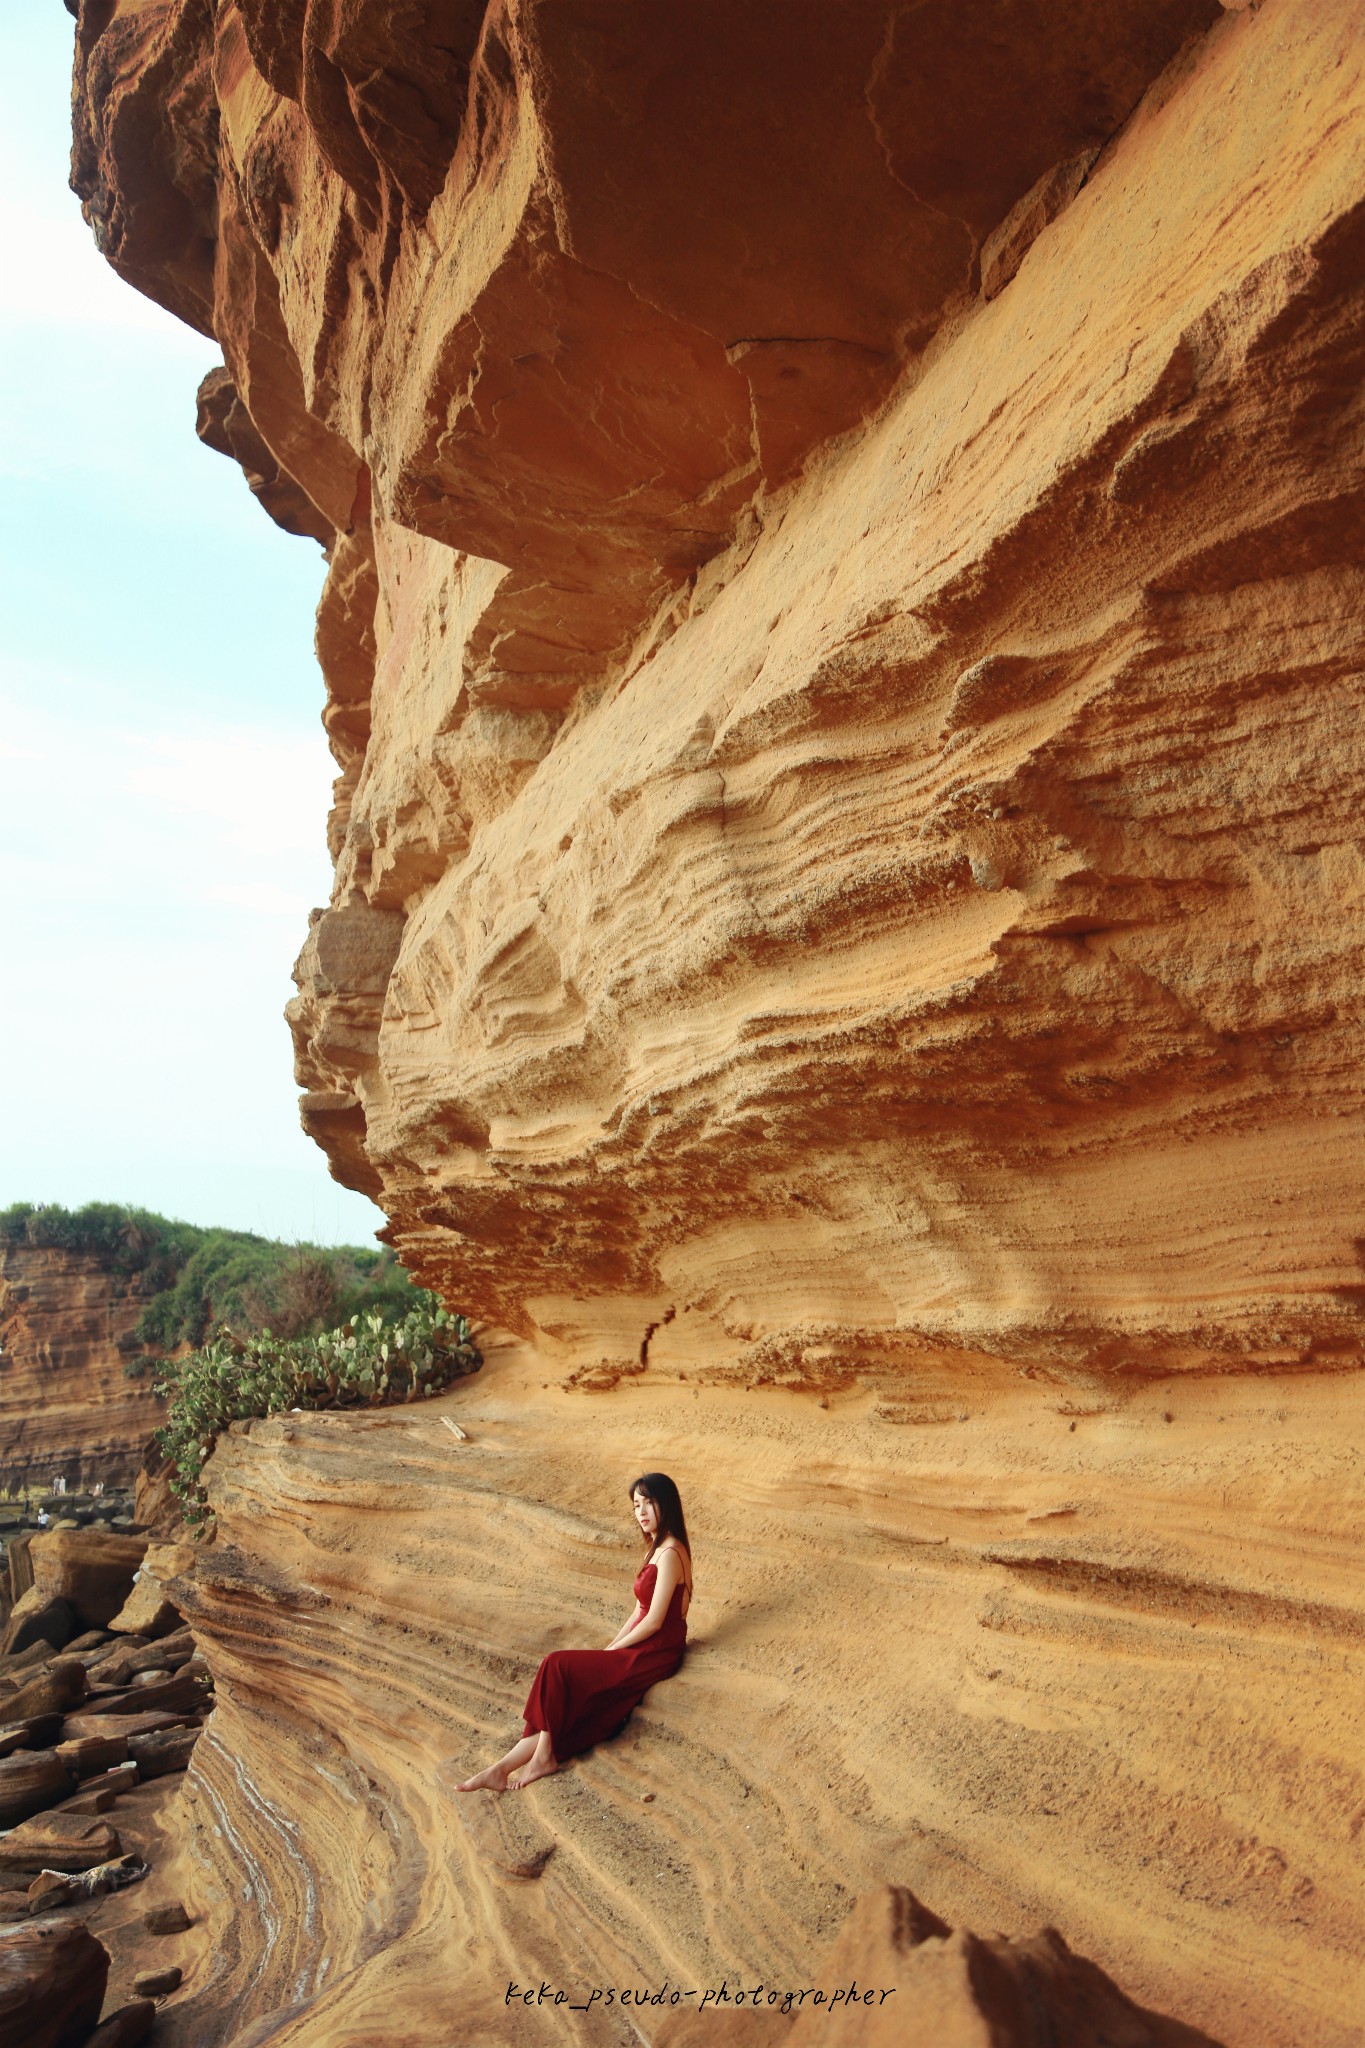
(158, 1983)
(58, 1687)
(85, 1755)
(170, 1918)
(53, 1975)
(20, 1567)
(93, 1798)
(49, 1892)
(93, 1639)
(29, 1782)
(163, 1656)
(38, 1616)
(39, 1732)
(52, 1888)
(156, 1756)
(112, 1675)
(125, 2028)
(16, 1667)
(175, 1693)
(119, 1667)
(107, 1787)
(149, 1610)
(91, 1568)
(119, 1727)
(59, 1841)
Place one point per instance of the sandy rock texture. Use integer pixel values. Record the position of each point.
(842, 647)
(52, 1980)
(66, 1405)
(1044, 1662)
(897, 1972)
(843, 653)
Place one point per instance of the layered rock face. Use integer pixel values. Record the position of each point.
(66, 1405)
(843, 650)
(1041, 1661)
(847, 824)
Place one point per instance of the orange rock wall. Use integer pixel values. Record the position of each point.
(942, 928)
(1041, 1659)
(813, 896)
(66, 1405)
(843, 654)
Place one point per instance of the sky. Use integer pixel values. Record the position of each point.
(164, 780)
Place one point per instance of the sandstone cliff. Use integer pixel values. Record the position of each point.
(66, 1405)
(834, 892)
(843, 654)
(1038, 1659)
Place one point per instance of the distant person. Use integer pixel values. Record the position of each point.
(43, 1518)
(581, 1697)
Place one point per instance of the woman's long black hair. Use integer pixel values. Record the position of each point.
(658, 1487)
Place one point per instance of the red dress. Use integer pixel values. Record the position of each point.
(580, 1697)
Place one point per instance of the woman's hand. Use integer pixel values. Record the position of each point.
(669, 1574)
(625, 1628)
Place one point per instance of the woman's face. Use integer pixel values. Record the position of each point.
(647, 1514)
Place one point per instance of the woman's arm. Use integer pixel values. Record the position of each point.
(625, 1627)
(669, 1573)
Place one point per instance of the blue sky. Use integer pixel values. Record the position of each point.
(164, 780)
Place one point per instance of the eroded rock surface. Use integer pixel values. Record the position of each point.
(847, 822)
(843, 654)
(898, 1974)
(847, 830)
(1044, 1661)
(84, 1779)
(66, 1405)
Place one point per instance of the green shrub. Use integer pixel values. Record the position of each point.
(195, 1278)
(365, 1362)
(127, 1240)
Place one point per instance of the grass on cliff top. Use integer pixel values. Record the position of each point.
(259, 1327)
(196, 1280)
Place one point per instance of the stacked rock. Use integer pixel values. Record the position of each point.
(101, 1688)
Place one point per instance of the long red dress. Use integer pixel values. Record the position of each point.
(580, 1697)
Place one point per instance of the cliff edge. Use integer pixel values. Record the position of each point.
(68, 1327)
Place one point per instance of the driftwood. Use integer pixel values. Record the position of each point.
(53, 1888)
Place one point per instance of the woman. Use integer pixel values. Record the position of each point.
(580, 1697)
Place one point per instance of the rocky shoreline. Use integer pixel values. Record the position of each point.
(103, 1696)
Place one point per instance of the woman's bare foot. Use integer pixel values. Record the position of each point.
(494, 1779)
(497, 1776)
(543, 1764)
